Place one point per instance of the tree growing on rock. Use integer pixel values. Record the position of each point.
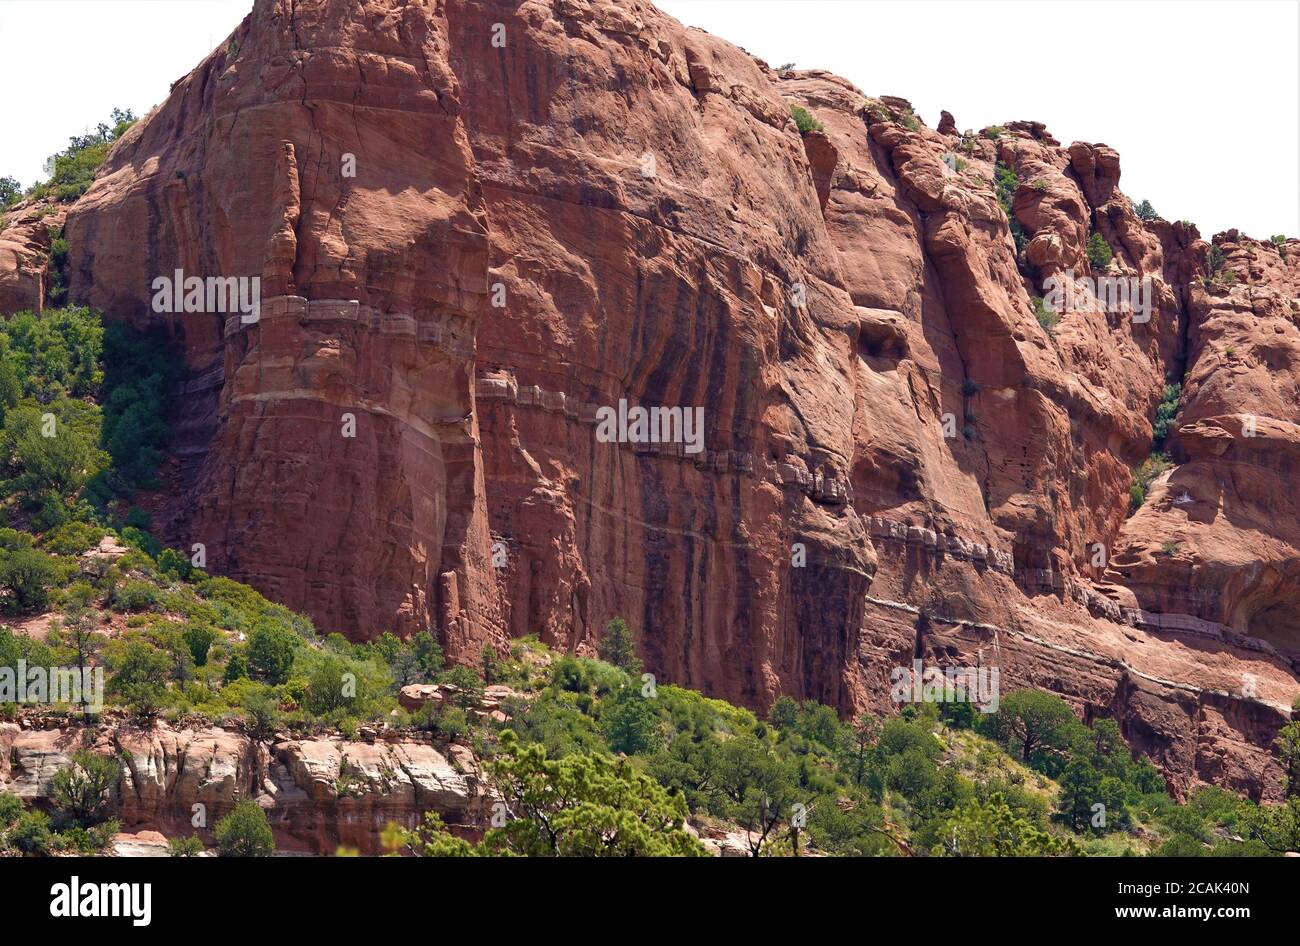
(83, 792)
(245, 832)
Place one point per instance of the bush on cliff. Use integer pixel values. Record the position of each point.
(803, 120)
(1146, 474)
(83, 793)
(74, 168)
(245, 832)
(1099, 252)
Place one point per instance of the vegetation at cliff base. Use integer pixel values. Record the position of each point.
(585, 756)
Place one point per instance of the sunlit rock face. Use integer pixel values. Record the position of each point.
(476, 225)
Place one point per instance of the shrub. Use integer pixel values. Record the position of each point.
(140, 672)
(270, 652)
(199, 638)
(25, 578)
(73, 538)
(803, 120)
(31, 835)
(75, 167)
(1166, 413)
(82, 793)
(191, 846)
(1214, 259)
(11, 808)
(245, 832)
(1006, 182)
(1144, 476)
(1046, 317)
(134, 596)
(1099, 252)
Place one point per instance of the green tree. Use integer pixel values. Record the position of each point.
(1031, 721)
(10, 191)
(991, 829)
(11, 387)
(468, 686)
(758, 788)
(82, 793)
(431, 839)
(1099, 252)
(1080, 790)
(428, 653)
(261, 708)
(582, 806)
(51, 449)
(1288, 754)
(25, 578)
(199, 638)
(270, 652)
(139, 678)
(629, 723)
(245, 832)
(618, 647)
(1277, 827)
(866, 730)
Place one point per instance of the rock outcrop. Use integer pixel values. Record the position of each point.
(478, 223)
(318, 793)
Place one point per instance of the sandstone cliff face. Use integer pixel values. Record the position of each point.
(334, 455)
(558, 206)
(318, 793)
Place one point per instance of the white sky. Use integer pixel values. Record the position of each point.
(1201, 98)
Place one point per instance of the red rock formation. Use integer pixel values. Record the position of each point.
(340, 471)
(558, 207)
(318, 793)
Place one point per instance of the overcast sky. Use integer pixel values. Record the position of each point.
(1202, 99)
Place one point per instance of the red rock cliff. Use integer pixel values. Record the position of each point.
(556, 206)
